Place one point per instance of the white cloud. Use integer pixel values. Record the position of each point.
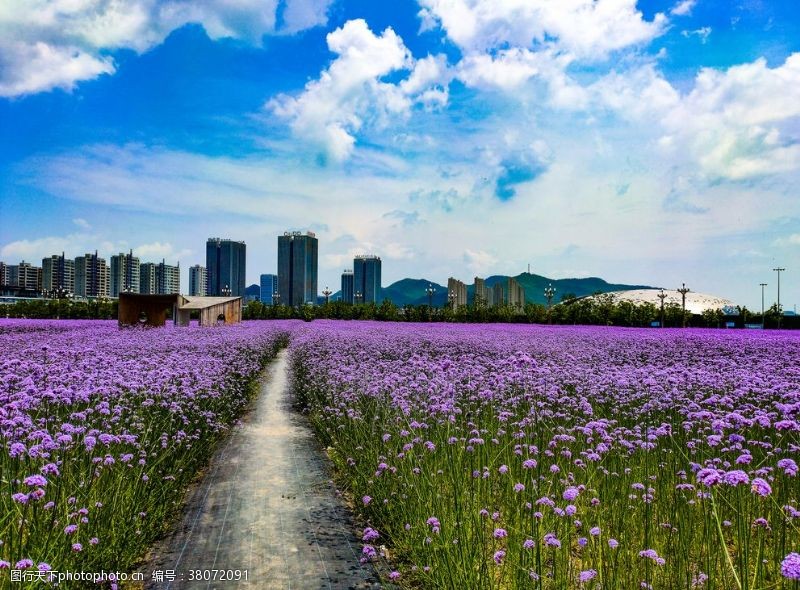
(734, 124)
(507, 69)
(351, 94)
(683, 8)
(587, 29)
(47, 44)
(81, 223)
(74, 244)
(30, 68)
(479, 262)
(156, 251)
(702, 33)
(304, 14)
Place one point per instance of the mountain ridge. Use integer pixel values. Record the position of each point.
(411, 291)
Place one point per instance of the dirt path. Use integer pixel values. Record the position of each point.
(265, 506)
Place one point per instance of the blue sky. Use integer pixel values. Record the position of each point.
(651, 142)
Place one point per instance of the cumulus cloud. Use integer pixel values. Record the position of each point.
(351, 92)
(47, 44)
(588, 29)
(734, 124)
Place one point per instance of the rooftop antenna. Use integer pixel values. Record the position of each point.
(529, 268)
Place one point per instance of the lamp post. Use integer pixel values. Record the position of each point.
(276, 298)
(452, 297)
(662, 296)
(358, 296)
(226, 291)
(683, 291)
(430, 290)
(762, 285)
(549, 292)
(327, 293)
(780, 312)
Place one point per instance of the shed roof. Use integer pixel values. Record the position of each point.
(205, 302)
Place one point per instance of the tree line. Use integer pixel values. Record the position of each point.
(603, 310)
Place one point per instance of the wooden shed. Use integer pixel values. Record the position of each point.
(213, 310)
(153, 310)
(146, 310)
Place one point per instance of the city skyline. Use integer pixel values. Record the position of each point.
(652, 142)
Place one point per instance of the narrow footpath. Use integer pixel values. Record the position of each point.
(265, 505)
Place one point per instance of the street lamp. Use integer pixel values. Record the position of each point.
(430, 290)
(452, 297)
(549, 292)
(662, 296)
(226, 291)
(683, 291)
(762, 303)
(780, 312)
(358, 296)
(327, 293)
(276, 297)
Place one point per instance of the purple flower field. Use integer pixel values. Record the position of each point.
(486, 456)
(101, 430)
(499, 456)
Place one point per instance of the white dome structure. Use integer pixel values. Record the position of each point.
(696, 303)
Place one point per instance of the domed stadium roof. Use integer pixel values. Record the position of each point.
(696, 303)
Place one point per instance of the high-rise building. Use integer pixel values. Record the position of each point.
(225, 267)
(3, 274)
(147, 278)
(58, 275)
(297, 268)
(269, 286)
(125, 269)
(24, 276)
(168, 278)
(347, 286)
(516, 294)
(498, 297)
(480, 297)
(159, 278)
(91, 276)
(367, 278)
(197, 280)
(456, 293)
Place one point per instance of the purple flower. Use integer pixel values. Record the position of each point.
(35, 480)
(366, 500)
(23, 564)
(594, 531)
(394, 575)
(370, 534)
(20, 498)
(76, 547)
(587, 575)
(518, 487)
(790, 566)
(528, 544)
(551, 540)
(571, 493)
(736, 477)
(70, 528)
(500, 533)
(760, 487)
(529, 463)
(499, 556)
(503, 469)
(613, 543)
